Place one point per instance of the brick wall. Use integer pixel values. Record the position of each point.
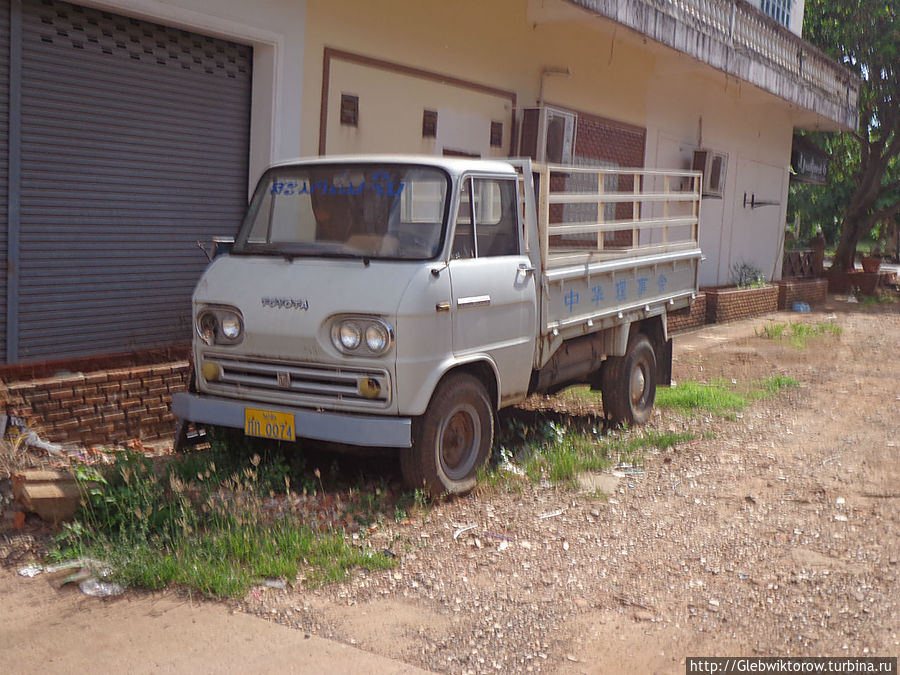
(103, 407)
(598, 138)
(811, 291)
(731, 304)
(689, 317)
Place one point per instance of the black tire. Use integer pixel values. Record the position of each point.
(452, 440)
(629, 383)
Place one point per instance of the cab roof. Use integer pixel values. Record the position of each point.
(453, 165)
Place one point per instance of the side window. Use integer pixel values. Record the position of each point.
(493, 212)
(496, 225)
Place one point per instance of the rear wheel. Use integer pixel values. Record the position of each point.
(452, 440)
(629, 383)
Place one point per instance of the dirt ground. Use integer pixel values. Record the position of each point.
(773, 534)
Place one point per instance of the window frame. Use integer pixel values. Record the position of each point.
(468, 179)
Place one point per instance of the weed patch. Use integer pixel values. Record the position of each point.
(558, 454)
(798, 334)
(694, 397)
(204, 527)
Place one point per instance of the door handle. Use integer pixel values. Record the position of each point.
(474, 301)
(526, 268)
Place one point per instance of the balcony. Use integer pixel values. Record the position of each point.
(736, 38)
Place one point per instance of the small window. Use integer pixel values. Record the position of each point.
(780, 10)
(496, 134)
(350, 110)
(429, 123)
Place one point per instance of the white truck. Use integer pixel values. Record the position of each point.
(400, 301)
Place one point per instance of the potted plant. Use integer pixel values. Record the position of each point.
(871, 261)
(749, 295)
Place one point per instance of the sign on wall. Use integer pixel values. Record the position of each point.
(808, 163)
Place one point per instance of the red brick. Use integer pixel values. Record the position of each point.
(56, 416)
(82, 409)
(38, 396)
(62, 394)
(96, 378)
(95, 399)
(90, 420)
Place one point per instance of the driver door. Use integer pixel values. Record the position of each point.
(494, 301)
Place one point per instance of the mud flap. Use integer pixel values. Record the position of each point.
(664, 364)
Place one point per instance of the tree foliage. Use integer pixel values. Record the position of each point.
(864, 175)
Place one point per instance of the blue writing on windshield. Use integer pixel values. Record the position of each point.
(380, 184)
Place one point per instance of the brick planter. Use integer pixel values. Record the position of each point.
(688, 317)
(103, 407)
(813, 292)
(728, 303)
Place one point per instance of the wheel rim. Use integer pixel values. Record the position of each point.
(459, 439)
(638, 385)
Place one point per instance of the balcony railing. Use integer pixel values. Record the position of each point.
(744, 28)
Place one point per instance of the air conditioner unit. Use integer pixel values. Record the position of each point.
(548, 135)
(713, 165)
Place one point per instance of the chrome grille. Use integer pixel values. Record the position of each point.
(298, 383)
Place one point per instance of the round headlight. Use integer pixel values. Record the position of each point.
(231, 326)
(376, 338)
(350, 335)
(206, 327)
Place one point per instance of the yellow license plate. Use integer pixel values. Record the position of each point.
(269, 424)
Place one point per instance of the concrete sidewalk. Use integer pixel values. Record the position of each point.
(48, 630)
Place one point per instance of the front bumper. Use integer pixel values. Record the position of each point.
(364, 430)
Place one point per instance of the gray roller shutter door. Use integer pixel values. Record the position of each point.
(134, 146)
(4, 164)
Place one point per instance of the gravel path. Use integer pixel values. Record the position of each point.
(777, 533)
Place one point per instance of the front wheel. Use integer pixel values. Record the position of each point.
(629, 383)
(452, 440)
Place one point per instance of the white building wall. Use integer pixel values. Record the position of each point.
(687, 113)
(276, 30)
(613, 74)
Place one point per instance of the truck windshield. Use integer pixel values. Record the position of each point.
(389, 211)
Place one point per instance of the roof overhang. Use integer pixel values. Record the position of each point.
(735, 38)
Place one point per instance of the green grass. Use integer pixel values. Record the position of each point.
(558, 454)
(772, 386)
(717, 398)
(694, 397)
(880, 299)
(201, 528)
(798, 334)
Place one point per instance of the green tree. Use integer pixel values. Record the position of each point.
(864, 181)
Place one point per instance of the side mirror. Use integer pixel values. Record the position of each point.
(220, 246)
